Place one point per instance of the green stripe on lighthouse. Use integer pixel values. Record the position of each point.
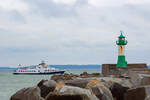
(121, 61)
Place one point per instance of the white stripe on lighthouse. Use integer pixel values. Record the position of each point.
(121, 50)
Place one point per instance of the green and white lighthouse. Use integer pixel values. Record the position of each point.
(121, 63)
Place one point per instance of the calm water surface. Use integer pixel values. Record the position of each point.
(10, 83)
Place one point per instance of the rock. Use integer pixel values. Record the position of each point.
(140, 79)
(66, 91)
(109, 80)
(66, 97)
(95, 75)
(117, 90)
(58, 78)
(77, 82)
(126, 83)
(101, 92)
(41, 83)
(147, 98)
(31, 93)
(46, 87)
(86, 74)
(59, 85)
(139, 93)
(94, 82)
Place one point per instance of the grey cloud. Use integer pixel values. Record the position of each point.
(48, 8)
(12, 16)
(15, 16)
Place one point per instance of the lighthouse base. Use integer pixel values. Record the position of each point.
(111, 69)
(121, 62)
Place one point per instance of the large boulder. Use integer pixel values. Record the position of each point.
(140, 79)
(59, 86)
(98, 88)
(46, 87)
(68, 91)
(147, 98)
(139, 93)
(77, 82)
(116, 89)
(64, 77)
(109, 80)
(31, 93)
(126, 83)
(53, 96)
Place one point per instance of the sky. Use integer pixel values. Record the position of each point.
(73, 31)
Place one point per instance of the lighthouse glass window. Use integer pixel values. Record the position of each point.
(122, 39)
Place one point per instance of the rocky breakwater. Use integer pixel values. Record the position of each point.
(86, 87)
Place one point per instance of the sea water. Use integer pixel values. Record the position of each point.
(10, 84)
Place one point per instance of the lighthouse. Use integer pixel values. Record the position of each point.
(121, 63)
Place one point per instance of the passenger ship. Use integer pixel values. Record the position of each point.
(42, 68)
